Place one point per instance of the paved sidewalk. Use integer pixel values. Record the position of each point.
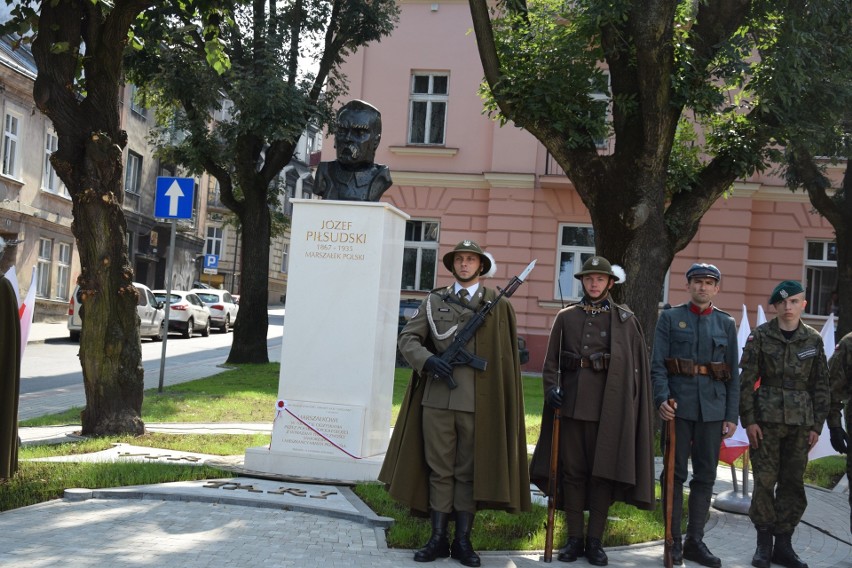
(246, 522)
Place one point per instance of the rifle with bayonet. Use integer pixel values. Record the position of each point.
(457, 353)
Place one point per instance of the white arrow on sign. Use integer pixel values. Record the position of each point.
(174, 193)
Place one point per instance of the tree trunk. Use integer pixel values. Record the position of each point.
(249, 345)
(110, 348)
(88, 160)
(843, 232)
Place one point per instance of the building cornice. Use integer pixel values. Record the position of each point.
(487, 180)
(435, 151)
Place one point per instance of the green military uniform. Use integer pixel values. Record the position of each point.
(791, 400)
(840, 379)
(703, 402)
(441, 315)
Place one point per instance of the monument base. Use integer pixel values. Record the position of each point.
(344, 471)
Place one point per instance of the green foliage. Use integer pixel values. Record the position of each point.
(496, 530)
(777, 70)
(549, 72)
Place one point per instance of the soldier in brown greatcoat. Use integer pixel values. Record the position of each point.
(596, 372)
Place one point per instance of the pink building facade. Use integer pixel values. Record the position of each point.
(459, 175)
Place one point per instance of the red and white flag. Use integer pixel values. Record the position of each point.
(26, 308)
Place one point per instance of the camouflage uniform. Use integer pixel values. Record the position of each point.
(791, 400)
(840, 378)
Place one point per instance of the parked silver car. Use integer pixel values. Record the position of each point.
(223, 307)
(150, 310)
(187, 313)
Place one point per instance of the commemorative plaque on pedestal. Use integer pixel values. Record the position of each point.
(335, 389)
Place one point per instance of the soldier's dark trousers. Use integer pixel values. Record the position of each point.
(779, 462)
(579, 486)
(701, 442)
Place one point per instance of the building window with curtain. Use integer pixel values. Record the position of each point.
(821, 278)
(576, 245)
(49, 179)
(12, 125)
(428, 108)
(45, 257)
(420, 256)
(63, 271)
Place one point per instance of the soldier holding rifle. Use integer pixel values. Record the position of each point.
(695, 363)
(596, 374)
(459, 444)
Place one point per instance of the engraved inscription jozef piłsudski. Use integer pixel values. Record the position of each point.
(336, 239)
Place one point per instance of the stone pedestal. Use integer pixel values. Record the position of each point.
(335, 390)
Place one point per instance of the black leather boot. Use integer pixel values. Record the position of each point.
(572, 550)
(595, 553)
(438, 545)
(763, 553)
(677, 551)
(783, 553)
(462, 549)
(697, 551)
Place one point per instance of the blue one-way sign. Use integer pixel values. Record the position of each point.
(211, 261)
(174, 198)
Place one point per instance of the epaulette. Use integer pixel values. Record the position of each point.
(624, 312)
(722, 311)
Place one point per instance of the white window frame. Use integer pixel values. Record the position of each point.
(135, 107)
(133, 173)
(13, 125)
(820, 275)
(213, 242)
(50, 181)
(431, 99)
(285, 257)
(572, 288)
(422, 237)
(45, 259)
(603, 143)
(63, 270)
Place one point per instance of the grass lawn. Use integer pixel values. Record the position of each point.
(247, 394)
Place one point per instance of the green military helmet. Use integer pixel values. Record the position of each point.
(468, 246)
(596, 265)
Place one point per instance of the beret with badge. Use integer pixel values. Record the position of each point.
(784, 290)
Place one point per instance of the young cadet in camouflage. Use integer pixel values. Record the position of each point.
(840, 379)
(695, 363)
(783, 417)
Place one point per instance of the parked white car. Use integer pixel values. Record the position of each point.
(151, 314)
(223, 307)
(187, 313)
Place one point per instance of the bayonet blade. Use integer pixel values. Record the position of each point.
(527, 270)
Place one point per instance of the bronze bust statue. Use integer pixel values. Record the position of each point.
(354, 176)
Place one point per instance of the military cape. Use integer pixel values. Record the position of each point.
(625, 443)
(501, 479)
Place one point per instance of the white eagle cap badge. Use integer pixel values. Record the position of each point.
(783, 294)
(467, 243)
(595, 261)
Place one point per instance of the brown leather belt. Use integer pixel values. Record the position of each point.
(586, 363)
(702, 370)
